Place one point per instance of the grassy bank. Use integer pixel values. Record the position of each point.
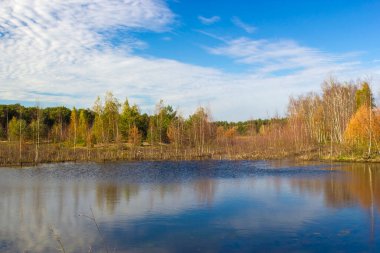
(29, 155)
(10, 154)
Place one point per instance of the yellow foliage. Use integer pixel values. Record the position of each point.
(363, 126)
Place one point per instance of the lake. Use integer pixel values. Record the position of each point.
(192, 206)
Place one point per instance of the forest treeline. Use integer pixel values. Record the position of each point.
(341, 121)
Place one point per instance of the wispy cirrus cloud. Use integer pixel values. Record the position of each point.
(246, 27)
(62, 52)
(284, 67)
(210, 20)
(53, 46)
(275, 55)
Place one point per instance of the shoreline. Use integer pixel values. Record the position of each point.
(205, 157)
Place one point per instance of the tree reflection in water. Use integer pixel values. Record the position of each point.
(33, 200)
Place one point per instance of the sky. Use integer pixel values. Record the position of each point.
(241, 59)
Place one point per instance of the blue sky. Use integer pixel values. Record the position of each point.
(331, 26)
(242, 59)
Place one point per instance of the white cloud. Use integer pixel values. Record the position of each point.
(40, 34)
(210, 20)
(58, 52)
(52, 46)
(280, 68)
(246, 27)
(274, 55)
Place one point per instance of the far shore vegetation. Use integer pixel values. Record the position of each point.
(341, 123)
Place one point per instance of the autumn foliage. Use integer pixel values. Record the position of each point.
(363, 128)
(341, 120)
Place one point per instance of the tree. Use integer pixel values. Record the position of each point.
(159, 123)
(130, 116)
(142, 124)
(364, 96)
(73, 128)
(2, 132)
(82, 127)
(56, 120)
(56, 132)
(176, 133)
(364, 127)
(134, 137)
(365, 103)
(15, 127)
(98, 126)
(230, 133)
(220, 135)
(111, 117)
(37, 130)
(201, 132)
(339, 106)
(306, 121)
(152, 132)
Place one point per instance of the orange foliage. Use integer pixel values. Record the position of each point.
(134, 136)
(230, 133)
(363, 124)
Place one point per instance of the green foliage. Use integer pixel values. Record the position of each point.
(73, 128)
(105, 127)
(130, 116)
(159, 123)
(98, 125)
(111, 117)
(104, 123)
(56, 115)
(15, 128)
(364, 96)
(37, 128)
(82, 126)
(246, 127)
(314, 120)
(143, 124)
(97, 130)
(2, 133)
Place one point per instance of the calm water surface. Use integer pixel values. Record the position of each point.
(208, 206)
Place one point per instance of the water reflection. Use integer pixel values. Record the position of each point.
(196, 206)
(359, 185)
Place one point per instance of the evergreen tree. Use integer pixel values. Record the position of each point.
(130, 116)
